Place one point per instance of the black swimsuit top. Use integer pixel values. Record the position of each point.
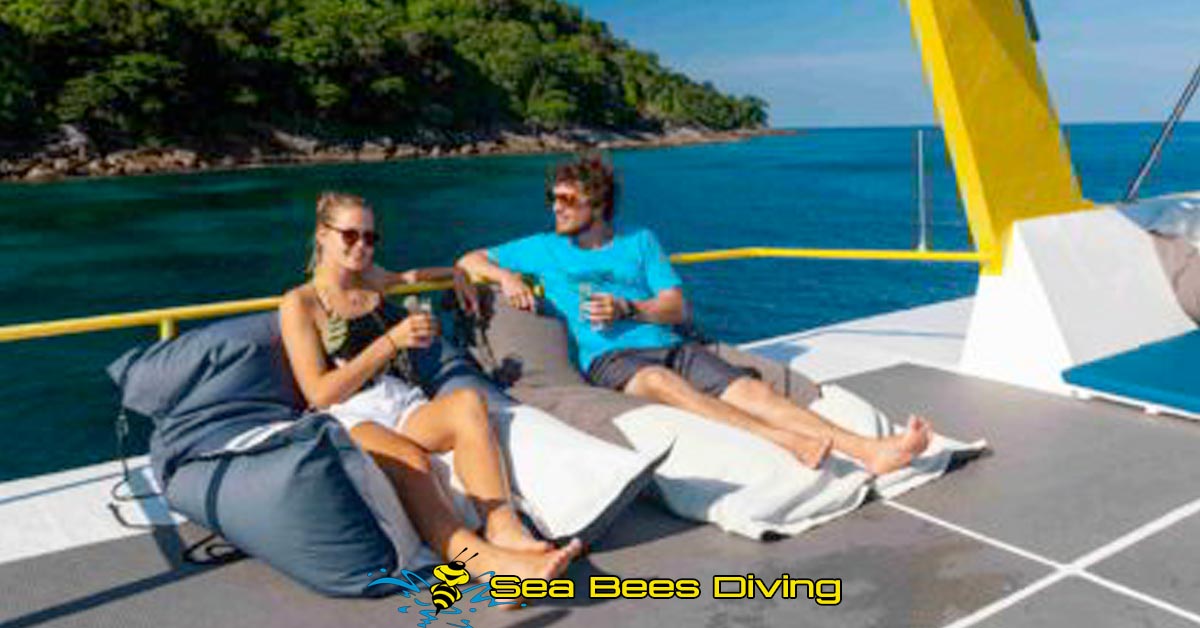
(345, 338)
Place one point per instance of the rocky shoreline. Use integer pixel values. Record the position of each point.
(72, 154)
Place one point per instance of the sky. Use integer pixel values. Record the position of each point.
(853, 62)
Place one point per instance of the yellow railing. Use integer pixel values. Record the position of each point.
(167, 319)
(842, 254)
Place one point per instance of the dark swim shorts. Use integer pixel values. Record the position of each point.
(703, 369)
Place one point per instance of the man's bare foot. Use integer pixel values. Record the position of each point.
(505, 530)
(896, 452)
(811, 452)
(916, 439)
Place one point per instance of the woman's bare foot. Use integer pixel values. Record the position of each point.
(811, 452)
(505, 530)
(545, 565)
(896, 452)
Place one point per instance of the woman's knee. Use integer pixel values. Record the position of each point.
(390, 449)
(467, 401)
(467, 410)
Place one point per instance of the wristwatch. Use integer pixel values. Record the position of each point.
(625, 308)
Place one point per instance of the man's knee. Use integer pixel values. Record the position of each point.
(653, 381)
(749, 389)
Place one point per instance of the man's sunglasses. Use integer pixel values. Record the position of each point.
(568, 199)
(350, 237)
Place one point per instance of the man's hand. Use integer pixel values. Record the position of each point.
(518, 294)
(603, 309)
(464, 290)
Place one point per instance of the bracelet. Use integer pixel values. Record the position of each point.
(395, 346)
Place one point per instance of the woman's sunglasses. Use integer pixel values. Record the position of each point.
(350, 237)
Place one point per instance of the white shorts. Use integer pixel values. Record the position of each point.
(388, 401)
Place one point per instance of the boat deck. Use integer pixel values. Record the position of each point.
(1087, 513)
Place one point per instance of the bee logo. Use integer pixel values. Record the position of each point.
(452, 574)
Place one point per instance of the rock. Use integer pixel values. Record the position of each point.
(405, 151)
(295, 143)
(372, 151)
(42, 172)
(426, 136)
(116, 159)
(70, 140)
(385, 142)
(184, 158)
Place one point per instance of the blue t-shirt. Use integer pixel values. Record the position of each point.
(633, 265)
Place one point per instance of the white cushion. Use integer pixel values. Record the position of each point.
(749, 486)
(739, 481)
(853, 413)
(571, 484)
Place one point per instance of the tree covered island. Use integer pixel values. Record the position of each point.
(130, 86)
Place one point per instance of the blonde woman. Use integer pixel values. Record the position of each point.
(347, 347)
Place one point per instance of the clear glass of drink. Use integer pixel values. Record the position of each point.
(585, 302)
(586, 292)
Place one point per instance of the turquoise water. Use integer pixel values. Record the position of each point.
(89, 247)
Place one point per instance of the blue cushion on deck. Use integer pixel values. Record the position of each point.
(306, 501)
(303, 497)
(207, 386)
(1164, 373)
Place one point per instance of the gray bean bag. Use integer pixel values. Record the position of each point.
(530, 354)
(714, 472)
(233, 452)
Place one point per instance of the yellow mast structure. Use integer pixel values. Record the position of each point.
(1003, 134)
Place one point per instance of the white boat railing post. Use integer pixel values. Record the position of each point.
(922, 193)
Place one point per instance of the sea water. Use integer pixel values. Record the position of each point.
(87, 247)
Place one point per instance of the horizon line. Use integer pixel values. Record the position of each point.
(931, 125)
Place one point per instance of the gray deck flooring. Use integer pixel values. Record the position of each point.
(1067, 478)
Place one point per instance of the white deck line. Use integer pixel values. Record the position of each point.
(1137, 535)
(1078, 567)
(982, 538)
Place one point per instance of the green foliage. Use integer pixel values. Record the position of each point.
(17, 95)
(138, 69)
(133, 94)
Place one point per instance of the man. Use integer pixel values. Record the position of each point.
(619, 297)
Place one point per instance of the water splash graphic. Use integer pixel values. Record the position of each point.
(411, 584)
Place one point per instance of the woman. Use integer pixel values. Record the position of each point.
(343, 340)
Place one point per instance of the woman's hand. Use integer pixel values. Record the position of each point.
(518, 294)
(416, 331)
